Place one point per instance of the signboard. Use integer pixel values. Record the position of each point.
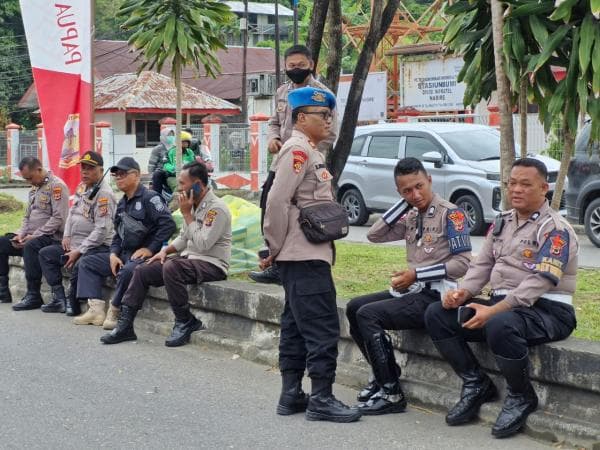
(431, 85)
(374, 99)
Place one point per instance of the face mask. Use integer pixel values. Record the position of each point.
(170, 140)
(298, 75)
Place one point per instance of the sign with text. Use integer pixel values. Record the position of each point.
(431, 85)
(373, 105)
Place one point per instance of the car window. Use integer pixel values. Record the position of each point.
(474, 145)
(583, 140)
(416, 146)
(357, 145)
(384, 147)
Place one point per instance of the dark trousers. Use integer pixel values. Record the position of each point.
(374, 313)
(159, 181)
(50, 261)
(94, 269)
(174, 275)
(508, 334)
(310, 327)
(30, 254)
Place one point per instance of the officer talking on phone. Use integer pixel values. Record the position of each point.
(529, 258)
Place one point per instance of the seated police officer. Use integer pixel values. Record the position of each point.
(529, 259)
(310, 327)
(204, 247)
(43, 225)
(142, 224)
(88, 230)
(438, 250)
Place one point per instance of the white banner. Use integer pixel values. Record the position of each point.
(373, 105)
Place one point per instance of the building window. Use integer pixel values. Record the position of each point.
(147, 132)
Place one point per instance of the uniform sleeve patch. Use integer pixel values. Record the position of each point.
(103, 206)
(553, 256)
(210, 217)
(157, 203)
(57, 193)
(300, 157)
(457, 229)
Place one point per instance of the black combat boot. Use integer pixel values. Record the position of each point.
(322, 405)
(73, 306)
(124, 329)
(32, 299)
(369, 390)
(521, 399)
(269, 275)
(390, 398)
(5, 296)
(477, 387)
(292, 399)
(185, 324)
(58, 303)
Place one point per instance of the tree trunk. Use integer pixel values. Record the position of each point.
(381, 20)
(569, 141)
(178, 118)
(523, 116)
(316, 27)
(334, 39)
(507, 137)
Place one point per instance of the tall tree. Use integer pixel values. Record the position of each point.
(334, 45)
(178, 32)
(317, 27)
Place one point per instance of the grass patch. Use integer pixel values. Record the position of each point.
(11, 214)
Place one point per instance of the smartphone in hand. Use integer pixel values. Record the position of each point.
(464, 314)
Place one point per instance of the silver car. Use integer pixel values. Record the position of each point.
(462, 159)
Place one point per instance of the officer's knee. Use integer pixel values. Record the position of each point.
(171, 269)
(500, 330)
(352, 308)
(434, 315)
(366, 313)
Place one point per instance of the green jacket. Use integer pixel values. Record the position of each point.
(188, 157)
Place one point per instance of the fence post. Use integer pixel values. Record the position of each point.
(103, 141)
(41, 144)
(494, 120)
(12, 148)
(212, 139)
(258, 148)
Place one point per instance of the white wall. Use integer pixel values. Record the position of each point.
(116, 120)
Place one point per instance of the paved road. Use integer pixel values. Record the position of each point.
(60, 388)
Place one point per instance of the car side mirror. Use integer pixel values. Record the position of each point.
(435, 158)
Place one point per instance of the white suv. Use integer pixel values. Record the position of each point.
(462, 159)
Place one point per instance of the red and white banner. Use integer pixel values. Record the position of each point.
(58, 38)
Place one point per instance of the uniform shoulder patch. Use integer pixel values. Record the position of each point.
(157, 203)
(57, 192)
(299, 158)
(457, 231)
(103, 206)
(553, 255)
(211, 214)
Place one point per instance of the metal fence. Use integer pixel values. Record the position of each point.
(28, 144)
(3, 150)
(234, 147)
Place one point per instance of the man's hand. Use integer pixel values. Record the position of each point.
(73, 256)
(115, 264)
(160, 256)
(142, 253)
(274, 145)
(482, 315)
(455, 297)
(266, 262)
(403, 279)
(16, 241)
(185, 203)
(66, 244)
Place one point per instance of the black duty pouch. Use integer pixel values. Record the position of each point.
(132, 232)
(324, 222)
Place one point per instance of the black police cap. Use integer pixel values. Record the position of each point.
(126, 163)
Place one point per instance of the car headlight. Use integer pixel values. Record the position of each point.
(493, 176)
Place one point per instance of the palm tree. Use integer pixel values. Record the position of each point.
(180, 33)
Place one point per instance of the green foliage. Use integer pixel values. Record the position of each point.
(108, 25)
(11, 214)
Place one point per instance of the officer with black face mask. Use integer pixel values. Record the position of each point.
(299, 67)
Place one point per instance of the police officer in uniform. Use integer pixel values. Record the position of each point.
(142, 224)
(309, 323)
(43, 225)
(88, 230)
(204, 245)
(299, 67)
(438, 249)
(529, 259)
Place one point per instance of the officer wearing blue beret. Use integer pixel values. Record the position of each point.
(310, 327)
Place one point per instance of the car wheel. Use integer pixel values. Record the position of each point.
(354, 205)
(592, 222)
(472, 209)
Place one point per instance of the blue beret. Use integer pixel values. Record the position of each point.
(310, 96)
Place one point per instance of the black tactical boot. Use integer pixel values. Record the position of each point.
(269, 275)
(521, 399)
(185, 324)
(477, 387)
(124, 329)
(58, 303)
(369, 390)
(390, 398)
(292, 399)
(73, 306)
(32, 299)
(5, 296)
(322, 405)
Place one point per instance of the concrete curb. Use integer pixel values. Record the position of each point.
(244, 319)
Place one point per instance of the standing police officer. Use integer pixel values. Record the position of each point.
(299, 67)
(529, 259)
(43, 225)
(205, 246)
(309, 322)
(88, 230)
(142, 224)
(438, 250)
